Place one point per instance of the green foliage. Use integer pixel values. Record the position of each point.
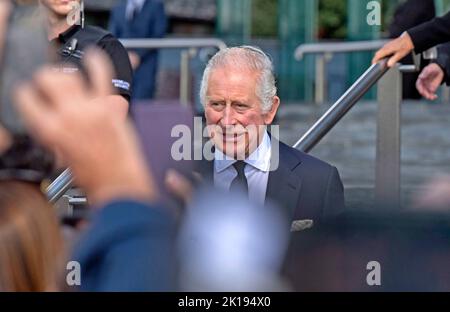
(332, 18)
(264, 18)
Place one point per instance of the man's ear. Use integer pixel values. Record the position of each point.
(270, 115)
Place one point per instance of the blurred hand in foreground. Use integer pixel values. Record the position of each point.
(5, 140)
(429, 81)
(102, 150)
(396, 50)
(135, 60)
(435, 195)
(180, 186)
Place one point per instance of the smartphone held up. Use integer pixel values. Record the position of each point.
(25, 49)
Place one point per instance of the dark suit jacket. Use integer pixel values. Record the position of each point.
(150, 22)
(409, 14)
(128, 248)
(306, 187)
(430, 34)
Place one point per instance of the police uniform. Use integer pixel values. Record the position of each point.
(72, 43)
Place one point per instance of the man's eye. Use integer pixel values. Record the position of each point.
(241, 106)
(216, 104)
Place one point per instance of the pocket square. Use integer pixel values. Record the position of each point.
(301, 225)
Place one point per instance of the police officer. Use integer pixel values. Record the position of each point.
(66, 30)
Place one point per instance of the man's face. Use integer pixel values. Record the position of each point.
(233, 111)
(60, 7)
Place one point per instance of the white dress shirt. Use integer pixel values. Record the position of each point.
(256, 171)
(133, 6)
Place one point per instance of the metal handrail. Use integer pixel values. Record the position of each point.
(173, 43)
(325, 52)
(342, 106)
(192, 44)
(338, 47)
(59, 186)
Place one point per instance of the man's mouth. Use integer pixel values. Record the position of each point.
(232, 137)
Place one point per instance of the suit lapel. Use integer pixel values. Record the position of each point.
(284, 185)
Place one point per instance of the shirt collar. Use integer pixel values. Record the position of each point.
(132, 7)
(65, 36)
(259, 159)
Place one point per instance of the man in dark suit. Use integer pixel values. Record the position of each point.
(239, 95)
(140, 19)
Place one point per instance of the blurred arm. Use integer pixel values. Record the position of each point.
(128, 248)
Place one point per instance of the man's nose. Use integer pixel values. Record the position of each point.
(228, 117)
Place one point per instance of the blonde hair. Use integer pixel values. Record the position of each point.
(31, 251)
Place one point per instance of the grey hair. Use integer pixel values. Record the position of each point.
(248, 57)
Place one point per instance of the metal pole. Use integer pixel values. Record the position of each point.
(338, 47)
(445, 95)
(185, 76)
(341, 107)
(320, 91)
(173, 43)
(387, 183)
(60, 186)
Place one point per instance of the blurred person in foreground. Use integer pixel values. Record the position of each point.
(214, 244)
(31, 249)
(140, 19)
(240, 98)
(128, 244)
(67, 32)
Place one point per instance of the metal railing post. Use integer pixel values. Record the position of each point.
(59, 186)
(321, 87)
(445, 94)
(185, 73)
(339, 109)
(387, 183)
(324, 51)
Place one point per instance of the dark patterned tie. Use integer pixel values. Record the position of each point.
(239, 184)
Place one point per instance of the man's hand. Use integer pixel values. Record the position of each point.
(429, 81)
(435, 195)
(396, 49)
(100, 148)
(179, 186)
